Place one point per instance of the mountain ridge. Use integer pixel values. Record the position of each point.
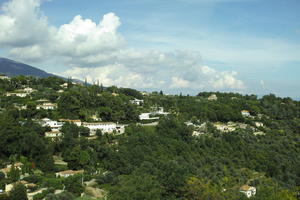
(14, 68)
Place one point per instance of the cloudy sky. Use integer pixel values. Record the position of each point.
(246, 46)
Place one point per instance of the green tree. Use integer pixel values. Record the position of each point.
(18, 192)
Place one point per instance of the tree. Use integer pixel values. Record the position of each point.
(14, 174)
(18, 192)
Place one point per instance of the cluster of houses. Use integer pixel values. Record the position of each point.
(32, 188)
(105, 127)
(21, 92)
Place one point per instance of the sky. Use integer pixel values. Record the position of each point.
(188, 46)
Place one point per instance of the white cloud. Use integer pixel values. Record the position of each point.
(22, 24)
(178, 82)
(98, 52)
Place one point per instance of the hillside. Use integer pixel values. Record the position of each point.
(13, 68)
(130, 145)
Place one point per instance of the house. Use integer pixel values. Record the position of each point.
(9, 187)
(95, 118)
(114, 94)
(212, 97)
(146, 116)
(4, 77)
(54, 125)
(65, 85)
(249, 191)
(245, 113)
(105, 127)
(259, 124)
(225, 127)
(137, 102)
(18, 94)
(74, 121)
(17, 165)
(53, 134)
(68, 173)
(28, 90)
(47, 106)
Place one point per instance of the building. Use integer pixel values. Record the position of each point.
(6, 170)
(54, 125)
(245, 113)
(259, 124)
(137, 102)
(4, 77)
(105, 127)
(74, 121)
(147, 116)
(212, 97)
(65, 85)
(47, 106)
(18, 94)
(68, 173)
(249, 191)
(53, 134)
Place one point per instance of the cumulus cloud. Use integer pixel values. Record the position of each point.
(22, 24)
(98, 52)
(178, 82)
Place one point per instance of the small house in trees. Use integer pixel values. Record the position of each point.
(138, 102)
(47, 106)
(212, 97)
(8, 168)
(68, 173)
(249, 191)
(245, 113)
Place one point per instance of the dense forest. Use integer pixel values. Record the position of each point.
(165, 161)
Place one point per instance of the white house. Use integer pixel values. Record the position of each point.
(29, 90)
(249, 191)
(3, 77)
(259, 124)
(212, 97)
(18, 94)
(53, 134)
(146, 116)
(54, 125)
(245, 113)
(47, 106)
(74, 121)
(137, 101)
(105, 127)
(6, 170)
(68, 173)
(65, 85)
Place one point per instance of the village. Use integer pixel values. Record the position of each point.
(95, 126)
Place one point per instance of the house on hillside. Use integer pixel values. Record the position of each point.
(64, 85)
(18, 94)
(47, 106)
(138, 102)
(212, 97)
(259, 124)
(53, 134)
(74, 121)
(4, 77)
(68, 173)
(249, 191)
(6, 170)
(105, 127)
(245, 113)
(54, 125)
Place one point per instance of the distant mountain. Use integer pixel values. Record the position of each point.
(13, 68)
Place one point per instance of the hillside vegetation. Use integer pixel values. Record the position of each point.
(202, 149)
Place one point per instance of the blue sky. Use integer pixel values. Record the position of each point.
(246, 46)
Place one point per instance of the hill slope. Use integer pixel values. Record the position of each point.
(13, 68)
